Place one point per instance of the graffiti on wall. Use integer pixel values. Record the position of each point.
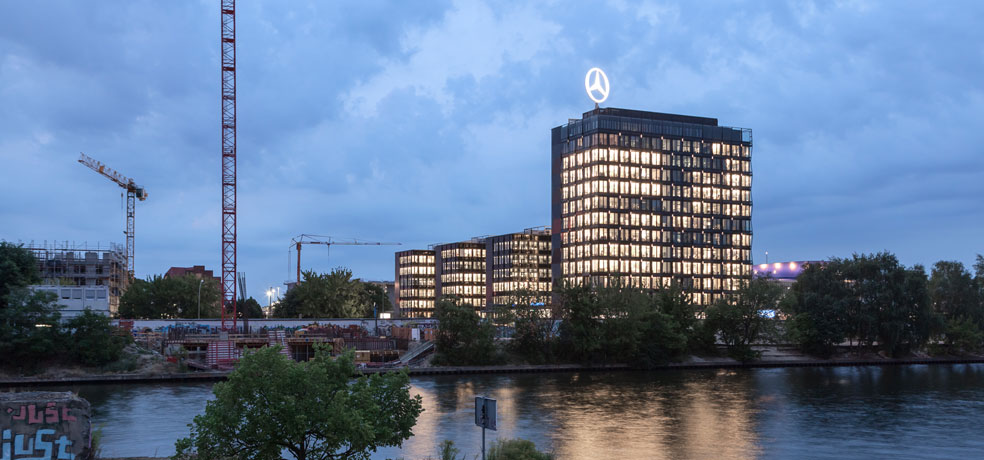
(43, 426)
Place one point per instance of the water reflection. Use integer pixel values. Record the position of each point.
(863, 412)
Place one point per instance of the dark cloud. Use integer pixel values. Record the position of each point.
(428, 122)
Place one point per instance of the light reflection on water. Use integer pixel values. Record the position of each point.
(850, 412)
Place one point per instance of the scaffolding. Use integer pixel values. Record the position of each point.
(63, 263)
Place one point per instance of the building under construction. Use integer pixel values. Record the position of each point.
(65, 263)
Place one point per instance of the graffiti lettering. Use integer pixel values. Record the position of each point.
(48, 415)
(41, 446)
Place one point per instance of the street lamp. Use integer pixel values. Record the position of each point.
(269, 298)
(200, 283)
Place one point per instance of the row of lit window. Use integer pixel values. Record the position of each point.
(520, 273)
(627, 187)
(417, 270)
(693, 286)
(454, 253)
(473, 278)
(655, 205)
(416, 293)
(652, 267)
(417, 303)
(726, 176)
(509, 286)
(522, 259)
(645, 220)
(661, 156)
(655, 270)
(582, 251)
(416, 259)
(582, 235)
(451, 266)
(522, 245)
(416, 282)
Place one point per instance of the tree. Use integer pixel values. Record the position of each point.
(373, 295)
(581, 336)
(746, 316)
(160, 297)
(954, 293)
(29, 329)
(326, 295)
(463, 338)
(313, 409)
(249, 308)
(18, 268)
(92, 341)
(533, 327)
(618, 323)
(820, 310)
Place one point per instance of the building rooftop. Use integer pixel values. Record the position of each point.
(651, 116)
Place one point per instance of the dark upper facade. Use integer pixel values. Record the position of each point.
(651, 199)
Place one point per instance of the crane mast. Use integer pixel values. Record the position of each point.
(329, 241)
(133, 192)
(228, 40)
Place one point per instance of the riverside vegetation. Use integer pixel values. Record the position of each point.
(871, 302)
(32, 335)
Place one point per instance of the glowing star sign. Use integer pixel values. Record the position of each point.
(596, 84)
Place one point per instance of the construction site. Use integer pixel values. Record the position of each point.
(204, 347)
(63, 263)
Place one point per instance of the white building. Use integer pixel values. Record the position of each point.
(75, 299)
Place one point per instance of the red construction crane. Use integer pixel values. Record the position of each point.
(133, 192)
(328, 241)
(228, 44)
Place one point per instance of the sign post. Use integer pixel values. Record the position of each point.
(484, 416)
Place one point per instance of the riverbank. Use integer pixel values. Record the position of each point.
(771, 357)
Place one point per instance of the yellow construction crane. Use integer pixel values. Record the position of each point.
(329, 241)
(133, 192)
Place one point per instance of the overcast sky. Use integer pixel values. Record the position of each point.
(425, 122)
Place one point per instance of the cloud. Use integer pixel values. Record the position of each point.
(472, 41)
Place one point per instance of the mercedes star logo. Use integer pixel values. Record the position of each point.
(596, 84)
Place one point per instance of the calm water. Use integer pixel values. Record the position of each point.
(862, 412)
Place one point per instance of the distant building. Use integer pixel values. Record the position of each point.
(784, 273)
(414, 285)
(65, 265)
(518, 262)
(198, 271)
(652, 198)
(73, 300)
(460, 272)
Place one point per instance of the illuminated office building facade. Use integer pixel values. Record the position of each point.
(652, 198)
(460, 271)
(518, 263)
(415, 289)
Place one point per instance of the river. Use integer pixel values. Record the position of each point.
(917, 412)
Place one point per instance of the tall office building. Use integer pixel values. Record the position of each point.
(652, 198)
(460, 271)
(414, 283)
(518, 263)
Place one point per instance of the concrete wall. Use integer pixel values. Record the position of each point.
(257, 324)
(44, 425)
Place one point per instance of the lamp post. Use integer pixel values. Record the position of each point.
(269, 298)
(200, 283)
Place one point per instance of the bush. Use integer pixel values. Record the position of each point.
(516, 449)
(463, 338)
(92, 340)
